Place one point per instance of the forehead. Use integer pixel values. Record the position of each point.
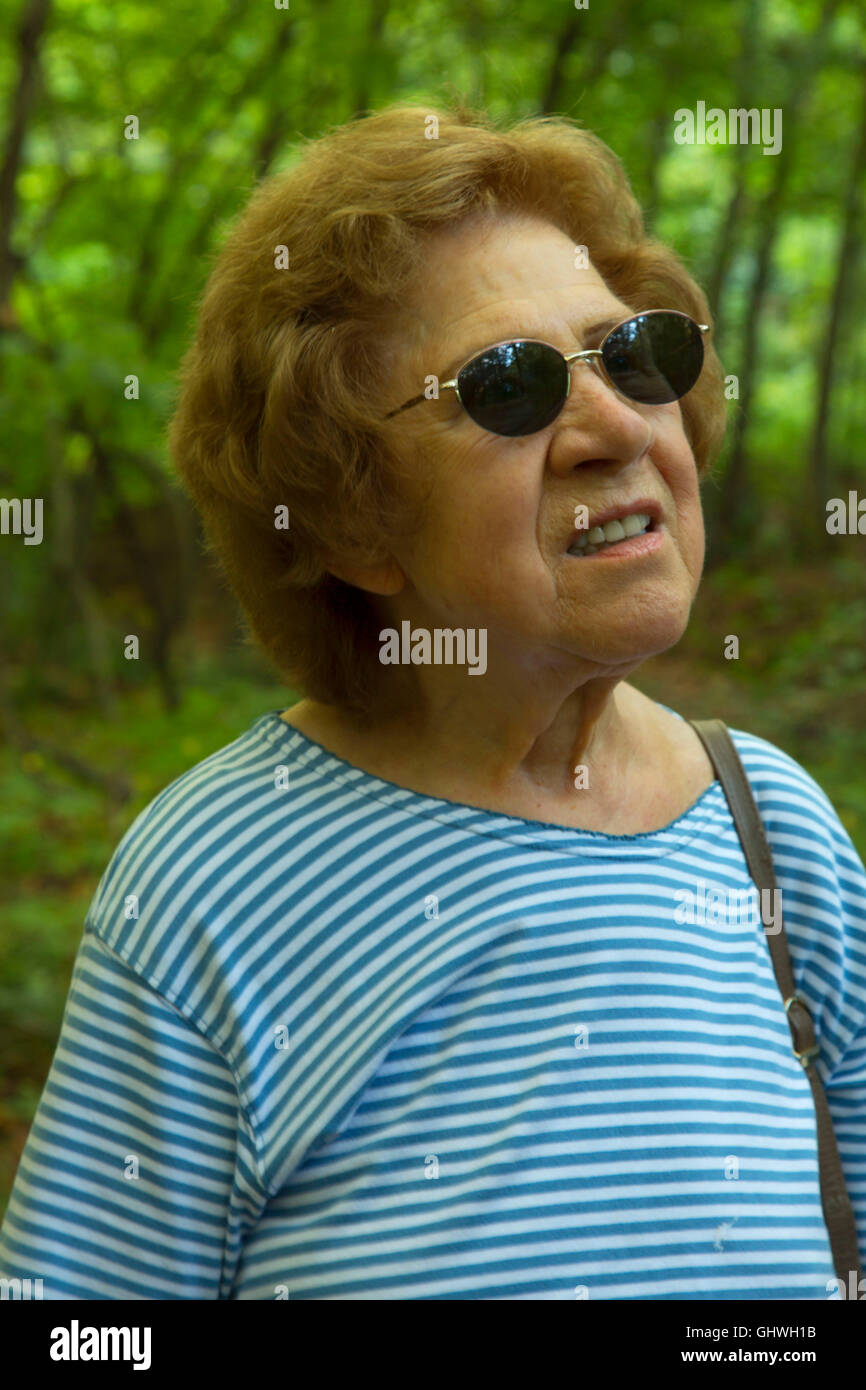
(492, 278)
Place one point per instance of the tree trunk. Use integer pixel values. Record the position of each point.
(375, 30)
(849, 245)
(30, 32)
(67, 567)
(723, 252)
(658, 142)
(164, 613)
(565, 43)
(737, 504)
(569, 36)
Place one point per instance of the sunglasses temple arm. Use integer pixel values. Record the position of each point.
(416, 400)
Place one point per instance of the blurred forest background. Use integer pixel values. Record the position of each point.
(104, 246)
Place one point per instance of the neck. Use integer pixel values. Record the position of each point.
(521, 749)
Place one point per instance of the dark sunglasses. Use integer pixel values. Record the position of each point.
(520, 386)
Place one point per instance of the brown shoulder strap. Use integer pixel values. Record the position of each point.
(838, 1213)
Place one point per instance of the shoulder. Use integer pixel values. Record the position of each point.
(812, 850)
(778, 782)
(797, 814)
(823, 885)
(188, 882)
(785, 792)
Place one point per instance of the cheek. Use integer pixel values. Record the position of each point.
(680, 470)
(677, 466)
(697, 538)
(690, 516)
(476, 527)
(479, 551)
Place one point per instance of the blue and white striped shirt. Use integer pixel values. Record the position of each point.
(327, 1037)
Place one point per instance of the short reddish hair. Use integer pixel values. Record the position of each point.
(280, 393)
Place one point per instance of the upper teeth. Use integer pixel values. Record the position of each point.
(616, 530)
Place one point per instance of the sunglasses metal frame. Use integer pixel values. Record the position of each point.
(593, 357)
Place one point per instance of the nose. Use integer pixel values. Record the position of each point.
(597, 423)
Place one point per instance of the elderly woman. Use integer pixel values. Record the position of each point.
(439, 983)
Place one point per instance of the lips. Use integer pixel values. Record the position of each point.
(647, 505)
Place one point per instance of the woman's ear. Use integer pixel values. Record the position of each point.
(386, 578)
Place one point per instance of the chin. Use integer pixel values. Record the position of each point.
(637, 642)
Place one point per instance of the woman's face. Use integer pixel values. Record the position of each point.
(500, 512)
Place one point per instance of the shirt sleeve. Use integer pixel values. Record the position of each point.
(845, 1080)
(139, 1175)
(823, 882)
(835, 974)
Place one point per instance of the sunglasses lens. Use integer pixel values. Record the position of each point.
(655, 357)
(514, 388)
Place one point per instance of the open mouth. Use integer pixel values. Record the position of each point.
(613, 533)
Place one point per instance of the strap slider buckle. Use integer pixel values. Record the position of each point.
(807, 1047)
